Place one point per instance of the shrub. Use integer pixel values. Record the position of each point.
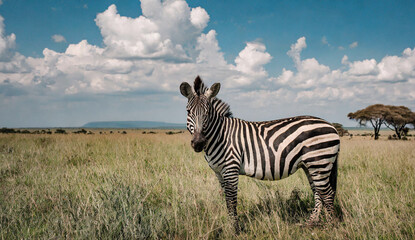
(7, 130)
(83, 131)
(60, 131)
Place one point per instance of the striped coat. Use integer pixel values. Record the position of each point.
(269, 150)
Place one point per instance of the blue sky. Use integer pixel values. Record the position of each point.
(65, 63)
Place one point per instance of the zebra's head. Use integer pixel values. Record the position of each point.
(198, 107)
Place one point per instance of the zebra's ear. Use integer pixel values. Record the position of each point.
(186, 90)
(213, 90)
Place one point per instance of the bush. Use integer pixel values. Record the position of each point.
(7, 130)
(83, 131)
(171, 132)
(340, 129)
(60, 131)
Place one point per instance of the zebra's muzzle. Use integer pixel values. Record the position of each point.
(198, 142)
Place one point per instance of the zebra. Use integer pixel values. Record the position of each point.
(268, 150)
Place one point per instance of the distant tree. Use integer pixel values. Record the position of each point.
(396, 119)
(375, 114)
(340, 129)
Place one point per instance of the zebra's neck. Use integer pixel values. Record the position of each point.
(220, 108)
(214, 133)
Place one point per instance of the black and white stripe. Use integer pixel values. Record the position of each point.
(270, 150)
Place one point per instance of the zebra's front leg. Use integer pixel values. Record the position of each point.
(221, 182)
(231, 179)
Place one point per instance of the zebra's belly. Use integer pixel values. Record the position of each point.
(265, 168)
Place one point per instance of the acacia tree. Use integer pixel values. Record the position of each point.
(375, 114)
(397, 118)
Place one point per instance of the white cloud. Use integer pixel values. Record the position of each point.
(365, 67)
(209, 50)
(6, 42)
(58, 38)
(83, 49)
(394, 68)
(153, 52)
(296, 49)
(345, 60)
(309, 71)
(362, 81)
(353, 45)
(156, 37)
(199, 17)
(252, 58)
(324, 41)
(249, 66)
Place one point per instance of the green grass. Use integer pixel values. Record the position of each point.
(154, 186)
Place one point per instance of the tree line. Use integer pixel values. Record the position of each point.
(396, 118)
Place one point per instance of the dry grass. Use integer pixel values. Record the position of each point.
(155, 186)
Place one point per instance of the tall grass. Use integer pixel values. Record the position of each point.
(154, 186)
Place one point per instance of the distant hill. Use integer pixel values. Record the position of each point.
(134, 124)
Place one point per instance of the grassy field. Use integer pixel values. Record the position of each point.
(154, 186)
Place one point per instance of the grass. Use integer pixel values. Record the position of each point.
(135, 186)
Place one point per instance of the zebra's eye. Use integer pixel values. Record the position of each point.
(188, 111)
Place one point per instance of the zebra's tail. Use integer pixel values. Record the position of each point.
(333, 175)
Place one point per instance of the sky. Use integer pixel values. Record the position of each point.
(65, 63)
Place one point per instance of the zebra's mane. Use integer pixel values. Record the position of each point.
(221, 107)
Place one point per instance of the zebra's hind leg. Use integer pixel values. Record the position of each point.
(325, 189)
(318, 204)
(327, 196)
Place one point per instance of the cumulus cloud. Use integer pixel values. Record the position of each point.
(309, 71)
(324, 41)
(58, 38)
(164, 31)
(209, 50)
(345, 60)
(7, 42)
(296, 49)
(365, 80)
(249, 66)
(353, 45)
(252, 58)
(153, 52)
(199, 17)
(365, 67)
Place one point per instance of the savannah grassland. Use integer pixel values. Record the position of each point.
(136, 186)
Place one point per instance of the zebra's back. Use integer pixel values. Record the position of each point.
(272, 150)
